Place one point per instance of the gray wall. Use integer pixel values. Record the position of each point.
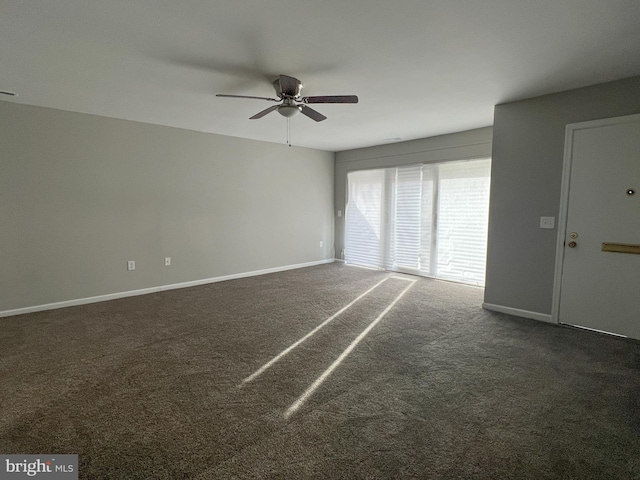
(528, 150)
(80, 195)
(456, 146)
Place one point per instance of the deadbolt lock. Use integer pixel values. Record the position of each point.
(573, 235)
(572, 244)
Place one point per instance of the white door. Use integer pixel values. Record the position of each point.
(599, 248)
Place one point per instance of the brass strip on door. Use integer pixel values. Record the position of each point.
(621, 248)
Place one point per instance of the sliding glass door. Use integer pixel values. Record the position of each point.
(364, 218)
(428, 220)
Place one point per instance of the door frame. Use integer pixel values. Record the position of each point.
(570, 129)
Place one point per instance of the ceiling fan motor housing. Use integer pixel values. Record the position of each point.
(292, 94)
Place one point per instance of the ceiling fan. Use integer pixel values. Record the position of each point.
(291, 102)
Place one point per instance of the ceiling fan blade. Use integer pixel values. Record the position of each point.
(289, 85)
(332, 99)
(264, 112)
(247, 96)
(312, 114)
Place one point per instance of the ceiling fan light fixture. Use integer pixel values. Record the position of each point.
(289, 110)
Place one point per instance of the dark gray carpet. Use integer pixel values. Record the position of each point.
(149, 386)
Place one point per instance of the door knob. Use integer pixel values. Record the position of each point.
(572, 244)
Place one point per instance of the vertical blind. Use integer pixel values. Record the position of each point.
(428, 220)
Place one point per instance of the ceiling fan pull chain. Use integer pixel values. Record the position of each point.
(288, 131)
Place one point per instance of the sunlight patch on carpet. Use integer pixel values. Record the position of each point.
(287, 350)
(321, 379)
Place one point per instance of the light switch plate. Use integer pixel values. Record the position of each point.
(547, 222)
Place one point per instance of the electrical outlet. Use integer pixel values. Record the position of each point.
(167, 261)
(131, 265)
(321, 244)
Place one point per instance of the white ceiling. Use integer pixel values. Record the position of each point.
(420, 67)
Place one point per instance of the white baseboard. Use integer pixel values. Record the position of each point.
(542, 317)
(161, 288)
